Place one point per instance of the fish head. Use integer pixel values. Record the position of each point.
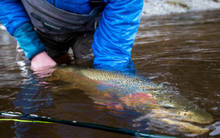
(196, 116)
(171, 112)
(186, 119)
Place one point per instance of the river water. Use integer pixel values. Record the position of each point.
(181, 51)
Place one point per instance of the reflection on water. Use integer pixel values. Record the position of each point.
(179, 51)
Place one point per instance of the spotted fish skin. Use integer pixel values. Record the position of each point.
(157, 103)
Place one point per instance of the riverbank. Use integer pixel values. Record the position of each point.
(164, 7)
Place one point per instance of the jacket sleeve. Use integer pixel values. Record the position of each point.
(13, 16)
(115, 35)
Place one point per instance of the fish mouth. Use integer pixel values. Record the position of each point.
(172, 125)
(198, 117)
(188, 128)
(185, 122)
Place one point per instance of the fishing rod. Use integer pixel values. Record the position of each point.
(32, 118)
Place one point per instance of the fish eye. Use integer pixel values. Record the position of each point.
(168, 106)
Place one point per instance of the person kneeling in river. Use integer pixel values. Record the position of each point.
(46, 29)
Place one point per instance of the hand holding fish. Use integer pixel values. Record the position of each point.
(42, 64)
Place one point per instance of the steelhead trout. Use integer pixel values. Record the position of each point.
(165, 110)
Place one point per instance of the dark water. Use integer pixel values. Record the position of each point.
(180, 51)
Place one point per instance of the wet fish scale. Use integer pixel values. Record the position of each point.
(134, 92)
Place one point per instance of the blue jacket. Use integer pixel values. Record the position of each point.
(113, 39)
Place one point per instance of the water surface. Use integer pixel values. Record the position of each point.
(180, 51)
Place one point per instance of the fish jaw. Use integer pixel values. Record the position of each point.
(185, 122)
(186, 127)
(159, 120)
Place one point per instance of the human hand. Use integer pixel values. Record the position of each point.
(42, 63)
